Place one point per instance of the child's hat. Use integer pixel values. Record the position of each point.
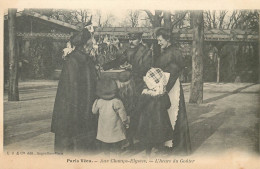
(106, 88)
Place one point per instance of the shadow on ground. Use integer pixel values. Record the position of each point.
(227, 94)
(202, 128)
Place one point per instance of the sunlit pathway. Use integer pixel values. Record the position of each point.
(227, 120)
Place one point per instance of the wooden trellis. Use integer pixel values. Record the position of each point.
(184, 34)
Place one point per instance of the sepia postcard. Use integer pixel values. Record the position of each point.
(130, 84)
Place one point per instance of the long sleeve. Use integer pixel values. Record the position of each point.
(174, 71)
(175, 68)
(120, 59)
(120, 110)
(146, 61)
(171, 61)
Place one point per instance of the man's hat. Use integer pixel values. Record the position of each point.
(135, 35)
(106, 88)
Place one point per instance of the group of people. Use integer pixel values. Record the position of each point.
(89, 114)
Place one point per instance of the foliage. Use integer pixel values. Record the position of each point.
(41, 58)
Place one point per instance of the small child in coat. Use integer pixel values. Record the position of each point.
(154, 126)
(112, 116)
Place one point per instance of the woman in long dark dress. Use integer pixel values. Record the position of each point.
(171, 61)
(73, 123)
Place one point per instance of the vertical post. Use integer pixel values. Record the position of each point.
(13, 93)
(196, 88)
(218, 69)
(259, 49)
(259, 76)
(26, 70)
(18, 58)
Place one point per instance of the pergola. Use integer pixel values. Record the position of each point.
(216, 37)
(32, 26)
(185, 35)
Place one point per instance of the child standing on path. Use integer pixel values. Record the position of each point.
(154, 126)
(112, 116)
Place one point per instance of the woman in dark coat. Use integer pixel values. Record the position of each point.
(73, 123)
(171, 61)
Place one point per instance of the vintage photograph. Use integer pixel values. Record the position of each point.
(131, 83)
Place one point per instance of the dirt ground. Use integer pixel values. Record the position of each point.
(227, 120)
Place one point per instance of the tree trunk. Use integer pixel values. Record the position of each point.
(13, 93)
(196, 89)
(157, 19)
(218, 69)
(259, 50)
(99, 22)
(191, 19)
(167, 19)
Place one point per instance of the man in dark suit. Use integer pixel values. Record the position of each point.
(139, 57)
(136, 54)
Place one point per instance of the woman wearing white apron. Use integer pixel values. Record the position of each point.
(171, 61)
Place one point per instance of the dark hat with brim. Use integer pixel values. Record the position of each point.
(80, 38)
(106, 88)
(135, 35)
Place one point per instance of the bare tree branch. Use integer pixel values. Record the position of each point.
(155, 19)
(214, 20)
(150, 15)
(236, 18)
(221, 18)
(133, 17)
(178, 20)
(107, 21)
(209, 19)
(231, 19)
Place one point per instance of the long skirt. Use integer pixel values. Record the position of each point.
(177, 113)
